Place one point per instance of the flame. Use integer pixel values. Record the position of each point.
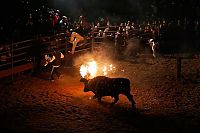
(83, 70)
(104, 70)
(91, 69)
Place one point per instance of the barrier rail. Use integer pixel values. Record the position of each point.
(20, 56)
(15, 58)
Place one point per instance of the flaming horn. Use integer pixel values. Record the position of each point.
(91, 70)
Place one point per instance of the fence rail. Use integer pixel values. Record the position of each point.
(20, 56)
(14, 58)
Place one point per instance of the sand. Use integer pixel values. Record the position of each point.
(31, 103)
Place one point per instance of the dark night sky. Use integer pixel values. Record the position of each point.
(135, 7)
(140, 8)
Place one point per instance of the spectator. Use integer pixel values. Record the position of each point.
(63, 24)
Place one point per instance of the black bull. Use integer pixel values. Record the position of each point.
(105, 86)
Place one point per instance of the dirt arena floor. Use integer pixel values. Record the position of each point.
(33, 104)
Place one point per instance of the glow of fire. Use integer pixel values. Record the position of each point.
(91, 69)
(104, 70)
(83, 70)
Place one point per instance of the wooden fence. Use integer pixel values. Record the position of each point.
(25, 55)
(16, 57)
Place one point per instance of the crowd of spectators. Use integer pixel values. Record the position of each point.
(48, 22)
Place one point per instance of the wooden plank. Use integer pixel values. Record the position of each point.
(16, 69)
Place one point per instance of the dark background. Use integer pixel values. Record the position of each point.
(93, 8)
(14, 14)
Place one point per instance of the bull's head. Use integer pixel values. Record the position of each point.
(85, 81)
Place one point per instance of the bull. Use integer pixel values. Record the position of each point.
(105, 86)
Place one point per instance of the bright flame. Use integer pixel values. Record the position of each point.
(104, 70)
(91, 69)
(83, 70)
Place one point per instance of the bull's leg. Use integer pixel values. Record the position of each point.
(116, 99)
(130, 98)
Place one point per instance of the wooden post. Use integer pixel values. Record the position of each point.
(12, 61)
(92, 45)
(178, 65)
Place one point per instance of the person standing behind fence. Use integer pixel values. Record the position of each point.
(63, 24)
(55, 60)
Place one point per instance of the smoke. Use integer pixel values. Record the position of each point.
(103, 55)
(106, 54)
(132, 48)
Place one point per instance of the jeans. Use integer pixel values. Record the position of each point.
(54, 70)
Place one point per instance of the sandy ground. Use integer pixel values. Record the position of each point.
(34, 104)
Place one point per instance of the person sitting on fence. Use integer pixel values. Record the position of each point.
(75, 39)
(78, 35)
(55, 59)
